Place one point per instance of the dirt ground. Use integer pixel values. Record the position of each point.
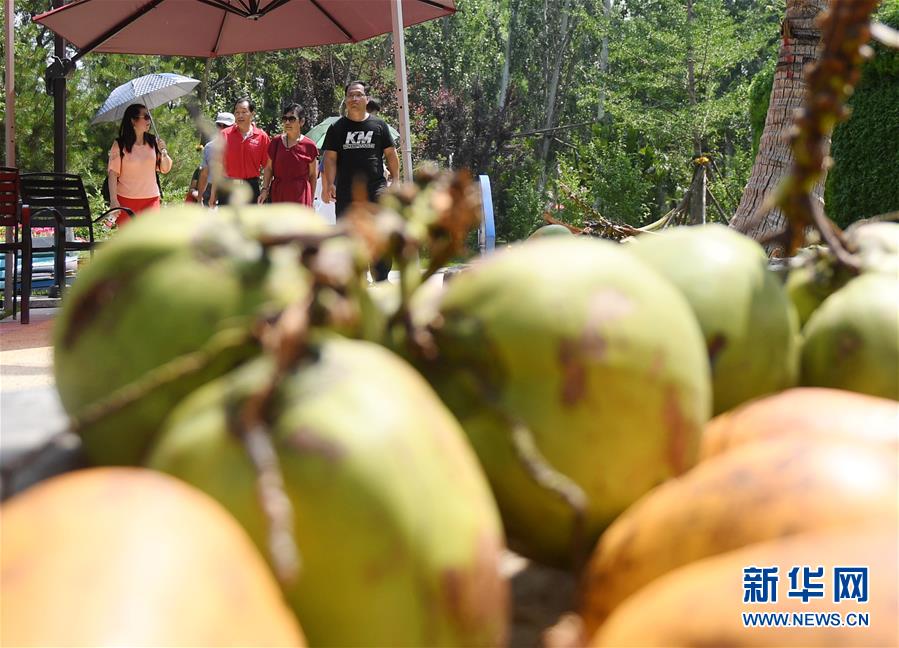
(542, 601)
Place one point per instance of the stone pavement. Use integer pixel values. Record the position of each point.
(26, 352)
(30, 413)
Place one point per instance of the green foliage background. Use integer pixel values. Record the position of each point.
(610, 135)
(759, 99)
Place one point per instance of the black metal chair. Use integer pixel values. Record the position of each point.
(16, 216)
(58, 200)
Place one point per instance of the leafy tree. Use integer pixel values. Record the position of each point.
(652, 105)
(591, 94)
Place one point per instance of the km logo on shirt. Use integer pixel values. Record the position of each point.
(359, 139)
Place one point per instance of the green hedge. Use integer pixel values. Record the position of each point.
(864, 180)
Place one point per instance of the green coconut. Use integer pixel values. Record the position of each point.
(852, 341)
(750, 326)
(399, 537)
(173, 283)
(811, 280)
(594, 354)
(815, 273)
(877, 245)
(553, 229)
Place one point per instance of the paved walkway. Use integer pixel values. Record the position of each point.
(26, 354)
(30, 412)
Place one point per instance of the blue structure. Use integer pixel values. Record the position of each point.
(487, 230)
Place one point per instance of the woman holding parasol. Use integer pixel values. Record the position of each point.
(135, 157)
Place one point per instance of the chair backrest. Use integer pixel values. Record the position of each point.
(9, 197)
(62, 191)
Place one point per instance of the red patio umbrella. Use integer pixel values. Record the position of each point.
(220, 27)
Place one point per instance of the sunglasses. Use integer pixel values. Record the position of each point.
(289, 118)
(145, 117)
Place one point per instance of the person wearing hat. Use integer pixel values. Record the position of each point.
(222, 121)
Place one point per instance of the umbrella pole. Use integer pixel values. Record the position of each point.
(10, 121)
(152, 121)
(402, 94)
(10, 137)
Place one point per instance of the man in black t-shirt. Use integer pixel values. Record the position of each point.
(355, 149)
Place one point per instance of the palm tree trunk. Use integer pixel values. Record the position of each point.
(800, 45)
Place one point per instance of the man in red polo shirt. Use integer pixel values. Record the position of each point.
(246, 150)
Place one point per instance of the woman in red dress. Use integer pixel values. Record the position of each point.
(291, 171)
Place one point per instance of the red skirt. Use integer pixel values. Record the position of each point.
(136, 205)
(296, 190)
